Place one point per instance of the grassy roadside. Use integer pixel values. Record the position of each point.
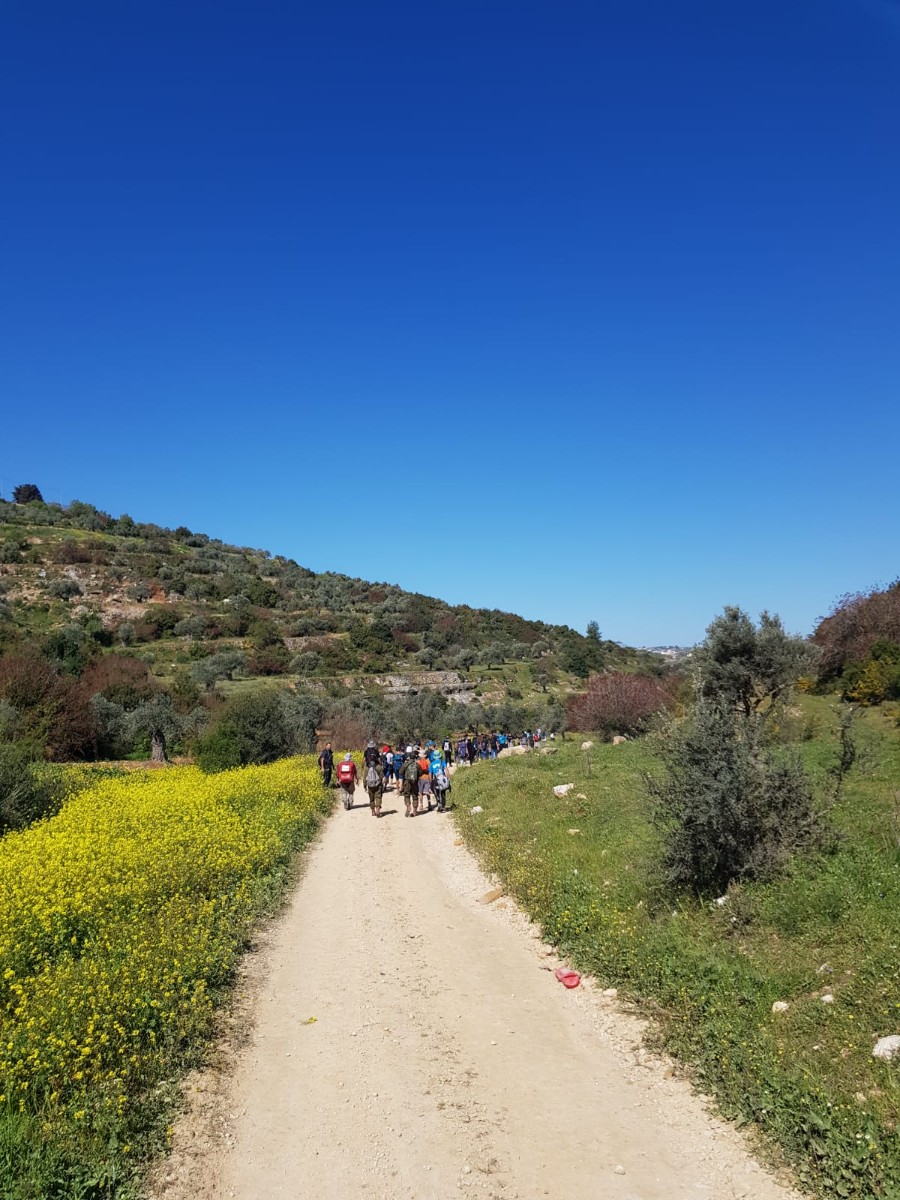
(710, 973)
(121, 920)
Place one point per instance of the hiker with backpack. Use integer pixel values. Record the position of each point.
(423, 762)
(373, 778)
(440, 781)
(410, 771)
(347, 776)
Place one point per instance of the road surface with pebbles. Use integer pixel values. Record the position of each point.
(395, 1036)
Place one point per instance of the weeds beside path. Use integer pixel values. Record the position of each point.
(586, 869)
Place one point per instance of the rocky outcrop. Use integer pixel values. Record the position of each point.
(448, 683)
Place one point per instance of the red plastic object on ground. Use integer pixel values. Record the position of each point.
(569, 979)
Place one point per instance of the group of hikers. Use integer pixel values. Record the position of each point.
(421, 773)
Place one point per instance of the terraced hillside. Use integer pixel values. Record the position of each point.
(175, 598)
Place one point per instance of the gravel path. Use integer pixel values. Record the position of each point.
(442, 1059)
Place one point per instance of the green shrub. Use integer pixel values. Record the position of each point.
(218, 751)
(729, 806)
(877, 678)
(64, 589)
(218, 666)
(307, 662)
(26, 792)
(250, 729)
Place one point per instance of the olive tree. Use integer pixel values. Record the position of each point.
(748, 667)
(218, 666)
(157, 719)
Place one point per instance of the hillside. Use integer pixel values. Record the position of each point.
(859, 644)
(86, 582)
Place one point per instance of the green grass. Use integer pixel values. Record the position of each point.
(709, 974)
(254, 683)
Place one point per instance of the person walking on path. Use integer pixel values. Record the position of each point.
(387, 763)
(373, 778)
(411, 783)
(440, 781)
(424, 783)
(347, 776)
(326, 764)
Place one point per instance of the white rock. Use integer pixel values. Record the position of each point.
(780, 1006)
(618, 740)
(887, 1047)
(620, 1170)
(722, 900)
(563, 789)
(587, 745)
(828, 998)
(476, 809)
(610, 993)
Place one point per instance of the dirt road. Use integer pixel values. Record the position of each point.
(442, 1059)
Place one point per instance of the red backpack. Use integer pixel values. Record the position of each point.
(345, 772)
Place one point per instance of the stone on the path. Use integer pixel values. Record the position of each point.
(887, 1048)
(491, 896)
(610, 993)
(563, 789)
(780, 1006)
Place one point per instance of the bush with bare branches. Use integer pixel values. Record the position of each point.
(618, 703)
(853, 627)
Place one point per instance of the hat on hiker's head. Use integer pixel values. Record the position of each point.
(370, 745)
(347, 757)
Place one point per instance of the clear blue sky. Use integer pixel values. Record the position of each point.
(583, 310)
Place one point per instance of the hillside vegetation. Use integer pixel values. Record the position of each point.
(859, 644)
(120, 639)
(176, 594)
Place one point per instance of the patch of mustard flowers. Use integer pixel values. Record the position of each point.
(122, 915)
